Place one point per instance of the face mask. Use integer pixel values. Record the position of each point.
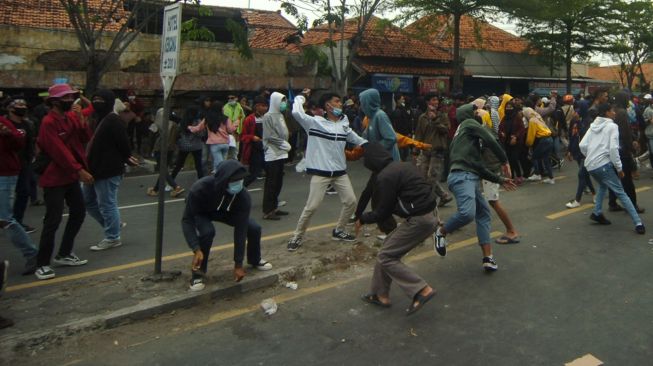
(232, 102)
(235, 187)
(20, 112)
(283, 106)
(100, 108)
(131, 98)
(337, 112)
(66, 105)
(432, 108)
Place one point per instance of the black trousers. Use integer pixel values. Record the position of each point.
(273, 184)
(255, 166)
(55, 197)
(514, 153)
(181, 160)
(23, 192)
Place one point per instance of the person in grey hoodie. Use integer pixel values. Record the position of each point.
(275, 149)
(601, 149)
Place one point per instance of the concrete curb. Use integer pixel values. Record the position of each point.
(145, 309)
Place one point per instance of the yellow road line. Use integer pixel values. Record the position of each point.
(587, 206)
(286, 297)
(78, 276)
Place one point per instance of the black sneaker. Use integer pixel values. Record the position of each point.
(294, 243)
(340, 235)
(439, 243)
(489, 264)
(600, 219)
(331, 191)
(281, 213)
(28, 229)
(640, 229)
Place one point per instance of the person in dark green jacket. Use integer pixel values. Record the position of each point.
(466, 171)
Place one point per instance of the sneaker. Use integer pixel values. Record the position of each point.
(600, 219)
(70, 260)
(38, 203)
(106, 244)
(44, 273)
(489, 264)
(341, 235)
(281, 213)
(281, 203)
(28, 229)
(381, 236)
(445, 200)
(439, 243)
(197, 284)
(168, 188)
(294, 244)
(177, 191)
(331, 191)
(640, 229)
(263, 265)
(4, 268)
(271, 216)
(152, 192)
(572, 204)
(639, 210)
(123, 225)
(549, 181)
(534, 178)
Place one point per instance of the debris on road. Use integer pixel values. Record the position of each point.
(269, 306)
(292, 285)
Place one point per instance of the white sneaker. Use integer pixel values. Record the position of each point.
(263, 265)
(70, 260)
(197, 284)
(281, 203)
(549, 181)
(168, 188)
(106, 244)
(381, 237)
(439, 242)
(44, 273)
(534, 178)
(572, 204)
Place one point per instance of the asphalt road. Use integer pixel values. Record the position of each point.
(568, 289)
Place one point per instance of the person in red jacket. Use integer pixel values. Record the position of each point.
(250, 138)
(62, 136)
(11, 141)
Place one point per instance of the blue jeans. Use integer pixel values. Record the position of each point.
(219, 153)
(466, 187)
(17, 234)
(608, 179)
(101, 200)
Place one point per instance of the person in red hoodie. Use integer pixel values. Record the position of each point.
(251, 140)
(11, 141)
(62, 136)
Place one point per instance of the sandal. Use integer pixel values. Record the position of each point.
(421, 300)
(374, 300)
(507, 240)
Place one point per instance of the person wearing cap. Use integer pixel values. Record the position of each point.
(62, 136)
(222, 198)
(12, 140)
(108, 152)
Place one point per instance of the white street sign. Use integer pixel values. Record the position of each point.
(170, 46)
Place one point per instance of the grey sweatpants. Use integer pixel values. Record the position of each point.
(402, 240)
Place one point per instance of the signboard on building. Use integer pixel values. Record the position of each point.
(170, 45)
(438, 85)
(393, 83)
(546, 87)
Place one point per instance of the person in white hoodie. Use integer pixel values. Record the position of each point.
(275, 149)
(325, 161)
(601, 149)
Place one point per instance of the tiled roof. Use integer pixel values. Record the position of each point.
(475, 34)
(47, 13)
(270, 30)
(611, 73)
(391, 42)
(418, 70)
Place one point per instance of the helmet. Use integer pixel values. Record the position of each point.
(568, 98)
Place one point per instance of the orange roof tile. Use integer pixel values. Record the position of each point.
(269, 30)
(475, 34)
(611, 73)
(390, 42)
(49, 13)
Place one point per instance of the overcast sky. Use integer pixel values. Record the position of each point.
(276, 5)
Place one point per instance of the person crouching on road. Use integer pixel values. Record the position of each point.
(221, 198)
(601, 149)
(108, 152)
(403, 190)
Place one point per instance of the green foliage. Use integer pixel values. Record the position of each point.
(313, 54)
(239, 34)
(191, 31)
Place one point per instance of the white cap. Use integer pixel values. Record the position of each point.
(545, 100)
(648, 97)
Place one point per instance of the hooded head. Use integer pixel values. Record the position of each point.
(479, 103)
(228, 171)
(494, 102)
(465, 112)
(376, 157)
(621, 99)
(103, 101)
(275, 102)
(370, 102)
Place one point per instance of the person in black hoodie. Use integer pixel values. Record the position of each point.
(221, 198)
(108, 152)
(402, 190)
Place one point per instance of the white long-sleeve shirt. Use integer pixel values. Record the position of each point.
(601, 144)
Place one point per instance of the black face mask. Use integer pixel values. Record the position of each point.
(20, 112)
(101, 108)
(66, 105)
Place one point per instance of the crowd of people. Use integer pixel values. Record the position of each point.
(77, 150)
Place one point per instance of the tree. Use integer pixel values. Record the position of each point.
(454, 11)
(632, 45)
(565, 30)
(333, 16)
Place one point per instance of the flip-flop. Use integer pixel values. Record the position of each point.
(374, 300)
(507, 240)
(421, 300)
